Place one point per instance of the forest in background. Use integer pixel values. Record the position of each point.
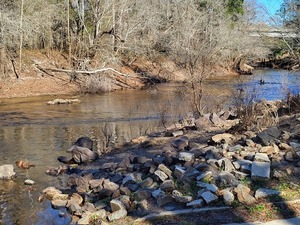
(100, 37)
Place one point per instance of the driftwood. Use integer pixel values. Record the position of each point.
(120, 78)
(86, 71)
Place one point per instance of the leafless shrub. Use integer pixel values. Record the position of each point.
(109, 134)
(254, 115)
(293, 102)
(97, 84)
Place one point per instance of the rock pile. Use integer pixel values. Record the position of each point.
(186, 174)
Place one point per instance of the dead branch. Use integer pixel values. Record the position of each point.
(87, 71)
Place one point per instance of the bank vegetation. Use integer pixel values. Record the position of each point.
(102, 45)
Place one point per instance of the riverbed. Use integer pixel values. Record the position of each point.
(33, 131)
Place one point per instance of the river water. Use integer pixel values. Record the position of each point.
(33, 131)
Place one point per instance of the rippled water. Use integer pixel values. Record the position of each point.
(31, 130)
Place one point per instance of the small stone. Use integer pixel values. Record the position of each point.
(122, 213)
(147, 182)
(209, 197)
(267, 149)
(206, 174)
(243, 194)
(228, 197)
(58, 203)
(142, 194)
(50, 192)
(165, 169)
(265, 192)
(116, 205)
(261, 157)
(163, 199)
(156, 193)
(129, 178)
(196, 203)
(225, 137)
(181, 143)
(179, 197)
(29, 182)
(289, 156)
(235, 148)
(207, 186)
(167, 185)
(285, 147)
(179, 171)
(186, 156)
(161, 175)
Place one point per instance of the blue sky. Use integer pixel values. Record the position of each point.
(271, 5)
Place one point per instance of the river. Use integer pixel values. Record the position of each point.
(34, 131)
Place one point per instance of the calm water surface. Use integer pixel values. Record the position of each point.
(31, 130)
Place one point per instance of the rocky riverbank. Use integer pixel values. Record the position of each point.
(193, 166)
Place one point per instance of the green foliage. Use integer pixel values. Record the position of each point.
(256, 208)
(235, 8)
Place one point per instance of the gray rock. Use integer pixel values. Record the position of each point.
(207, 186)
(285, 147)
(75, 209)
(205, 174)
(289, 156)
(164, 199)
(181, 143)
(147, 182)
(179, 197)
(126, 201)
(236, 148)
(268, 149)
(58, 203)
(226, 179)
(142, 208)
(261, 157)
(179, 171)
(167, 185)
(129, 178)
(122, 213)
(157, 192)
(209, 197)
(185, 156)
(165, 169)
(85, 219)
(198, 203)
(109, 188)
(240, 175)
(250, 143)
(265, 192)
(116, 205)
(161, 175)
(243, 194)
(226, 164)
(269, 135)
(7, 172)
(142, 194)
(215, 119)
(260, 170)
(228, 197)
(82, 154)
(225, 137)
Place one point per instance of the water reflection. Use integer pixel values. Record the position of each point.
(31, 130)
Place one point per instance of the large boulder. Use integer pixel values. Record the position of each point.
(82, 154)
